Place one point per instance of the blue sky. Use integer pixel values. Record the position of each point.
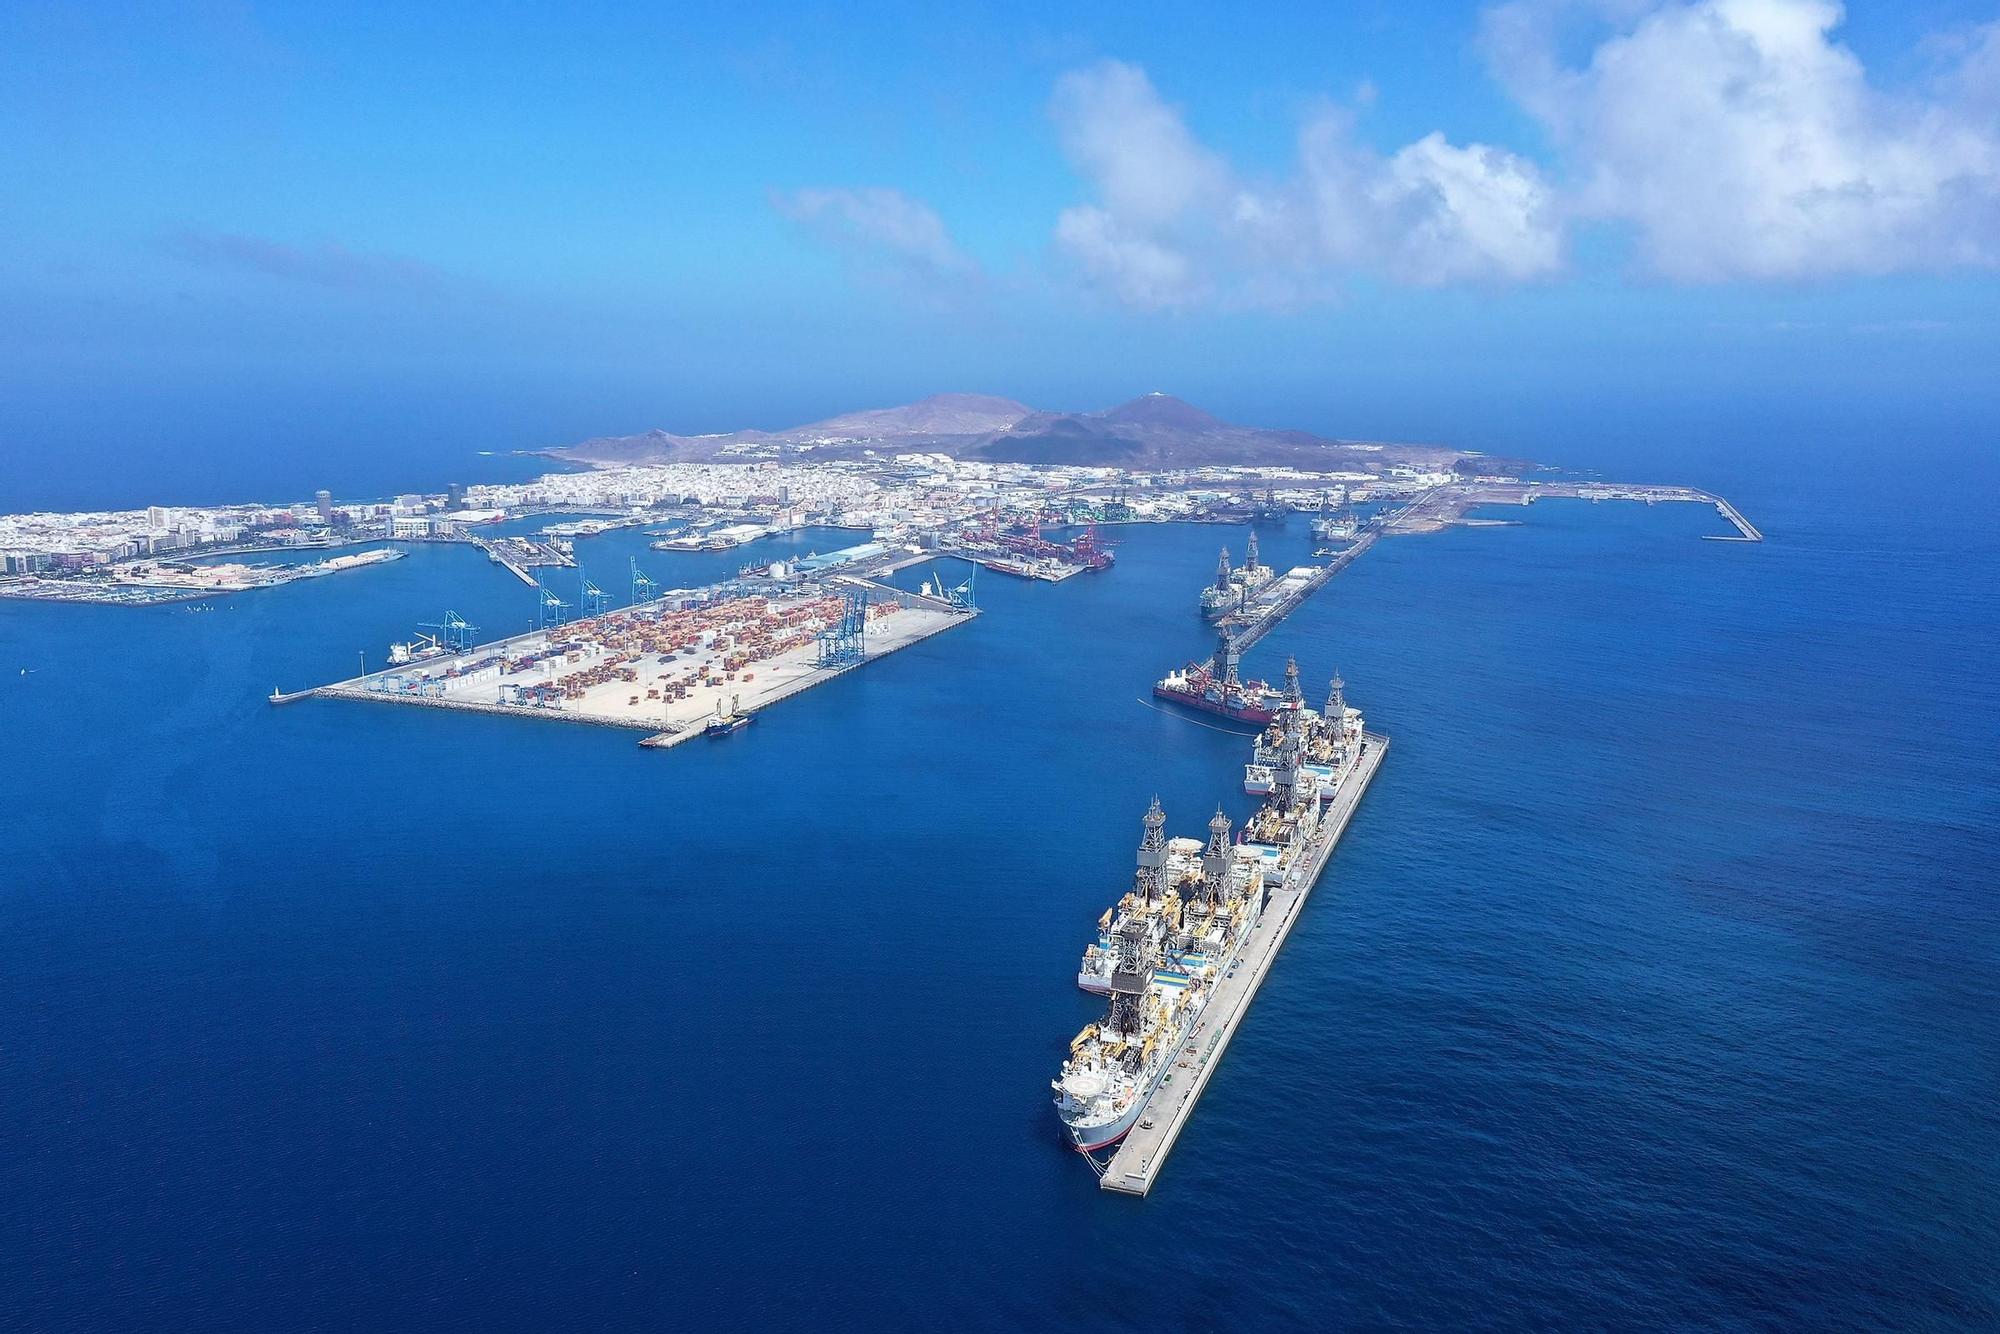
(1415, 221)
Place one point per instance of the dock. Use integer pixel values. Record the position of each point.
(590, 670)
(1246, 631)
(519, 555)
(1143, 1152)
(1445, 506)
(1743, 526)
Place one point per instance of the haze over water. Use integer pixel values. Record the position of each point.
(1653, 985)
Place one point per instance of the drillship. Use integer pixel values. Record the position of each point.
(1299, 763)
(1233, 588)
(1332, 526)
(1158, 955)
(1330, 749)
(1216, 687)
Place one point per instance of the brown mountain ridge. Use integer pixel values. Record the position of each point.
(1151, 432)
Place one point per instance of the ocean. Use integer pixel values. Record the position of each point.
(1653, 986)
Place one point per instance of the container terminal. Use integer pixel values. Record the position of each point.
(670, 665)
(1181, 955)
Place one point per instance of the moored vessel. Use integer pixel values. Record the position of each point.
(1232, 589)
(727, 724)
(1216, 686)
(1158, 955)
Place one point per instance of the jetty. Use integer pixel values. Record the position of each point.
(1445, 506)
(1247, 630)
(1136, 1164)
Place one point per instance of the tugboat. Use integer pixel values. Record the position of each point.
(726, 724)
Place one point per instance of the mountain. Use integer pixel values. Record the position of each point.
(1162, 411)
(1153, 431)
(942, 421)
(940, 414)
(1160, 431)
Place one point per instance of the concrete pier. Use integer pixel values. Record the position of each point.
(1443, 506)
(1143, 1152)
(483, 686)
(1248, 632)
(1743, 525)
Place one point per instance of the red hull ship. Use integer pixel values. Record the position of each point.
(1199, 686)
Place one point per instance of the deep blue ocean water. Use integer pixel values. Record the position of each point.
(1654, 985)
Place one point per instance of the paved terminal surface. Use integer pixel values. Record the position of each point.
(578, 672)
(1143, 1152)
(1442, 506)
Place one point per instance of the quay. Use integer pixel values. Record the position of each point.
(1443, 506)
(1245, 631)
(1136, 1164)
(519, 555)
(665, 667)
(159, 580)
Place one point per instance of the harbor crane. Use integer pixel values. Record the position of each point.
(550, 611)
(644, 589)
(959, 596)
(454, 632)
(594, 600)
(843, 644)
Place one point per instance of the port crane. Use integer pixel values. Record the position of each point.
(550, 610)
(844, 643)
(594, 600)
(959, 596)
(644, 589)
(454, 632)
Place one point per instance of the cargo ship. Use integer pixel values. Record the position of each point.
(727, 724)
(1216, 687)
(1233, 588)
(416, 650)
(1159, 953)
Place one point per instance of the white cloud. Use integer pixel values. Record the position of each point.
(1173, 223)
(1132, 147)
(1139, 269)
(1734, 139)
(881, 224)
(1739, 140)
